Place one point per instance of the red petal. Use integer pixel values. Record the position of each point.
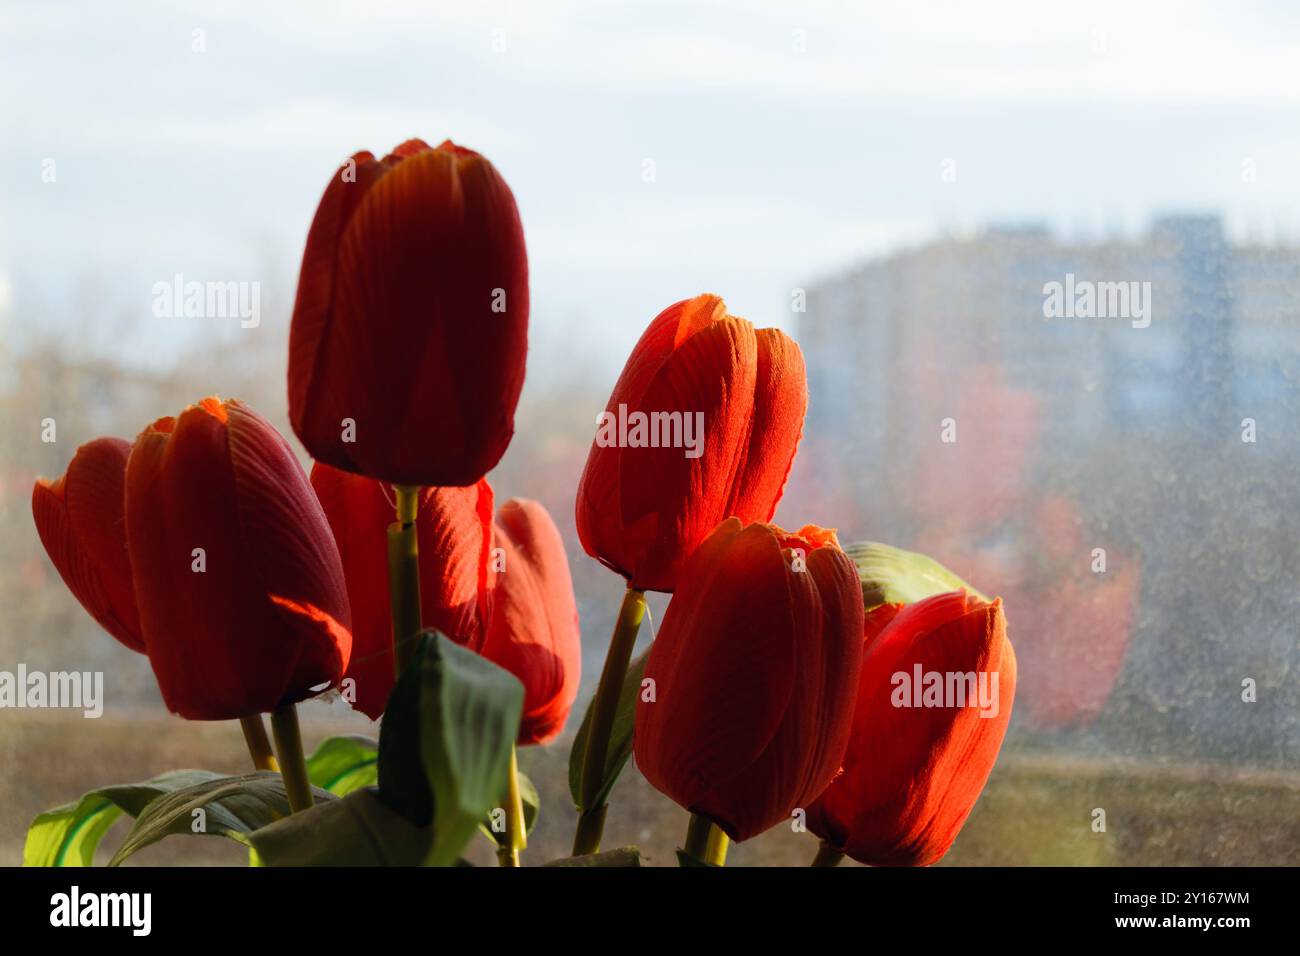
(80, 521)
(912, 774)
(411, 147)
(534, 627)
(780, 403)
(313, 309)
(454, 537)
(290, 549)
(359, 513)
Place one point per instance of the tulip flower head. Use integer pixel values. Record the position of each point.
(242, 601)
(754, 673)
(80, 520)
(934, 698)
(721, 409)
(406, 351)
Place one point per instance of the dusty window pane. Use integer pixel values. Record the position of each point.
(1044, 269)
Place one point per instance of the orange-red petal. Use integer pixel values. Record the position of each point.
(912, 774)
(534, 624)
(453, 527)
(80, 520)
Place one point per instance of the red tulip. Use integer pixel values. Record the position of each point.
(80, 520)
(406, 352)
(242, 601)
(917, 761)
(454, 530)
(643, 509)
(534, 627)
(754, 672)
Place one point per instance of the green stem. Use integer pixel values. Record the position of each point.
(591, 824)
(259, 747)
(591, 827)
(706, 842)
(293, 763)
(827, 855)
(719, 843)
(404, 576)
(516, 827)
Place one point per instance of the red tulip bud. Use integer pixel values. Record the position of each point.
(406, 352)
(242, 602)
(753, 675)
(702, 425)
(934, 699)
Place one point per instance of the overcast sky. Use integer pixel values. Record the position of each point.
(788, 139)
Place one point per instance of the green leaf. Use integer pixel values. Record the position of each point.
(532, 803)
(403, 784)
(359, 830)
(469, 719)
(232, 807)
(69, 835)
(620, 737)
(623, 856)
(893, 576)
(343, 764)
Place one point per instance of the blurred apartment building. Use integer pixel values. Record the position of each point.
(1134, 434)
(900, 343)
